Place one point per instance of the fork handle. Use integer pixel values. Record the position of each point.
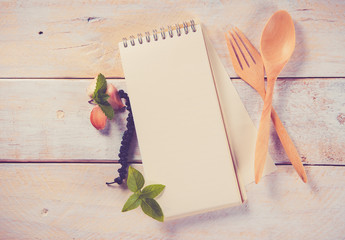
(288, 145)
(261, 146)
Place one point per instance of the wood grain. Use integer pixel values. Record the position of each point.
(79, 39)
(71, 201)
(305, 107)
(51, 120)
(48, 120)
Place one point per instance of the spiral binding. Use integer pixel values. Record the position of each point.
(162, 32)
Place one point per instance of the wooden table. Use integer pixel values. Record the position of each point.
(54, 164)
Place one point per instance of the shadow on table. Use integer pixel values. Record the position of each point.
(174, 226)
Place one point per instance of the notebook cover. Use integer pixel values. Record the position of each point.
(179, 124)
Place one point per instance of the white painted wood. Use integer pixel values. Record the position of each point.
(313, 113)
(71, 201)
(79, 38)
(48, 120)
(33, 127)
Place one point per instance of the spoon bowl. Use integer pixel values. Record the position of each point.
(277, 42)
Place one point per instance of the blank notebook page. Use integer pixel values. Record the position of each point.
(179, 125)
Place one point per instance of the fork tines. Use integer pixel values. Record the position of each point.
(242, 52)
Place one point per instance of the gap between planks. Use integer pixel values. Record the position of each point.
(82, 161)
(122, 78)
(64, 161)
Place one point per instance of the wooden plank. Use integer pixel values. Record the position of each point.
(48, 121)
(51, 120)
(79, 39)
(71, 201)
(312, 111)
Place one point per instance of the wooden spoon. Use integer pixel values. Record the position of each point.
(277, 46)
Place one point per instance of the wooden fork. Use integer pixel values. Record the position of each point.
(249, 66)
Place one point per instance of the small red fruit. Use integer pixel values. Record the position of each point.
(98, 118)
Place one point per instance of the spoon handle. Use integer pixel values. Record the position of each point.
(288, 145)
(261, 146)
(285, 139)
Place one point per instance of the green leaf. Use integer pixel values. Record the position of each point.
(152, 209)
(108, 110)
(133, 202)
(103, 98)
(96, 98)
(152, 191)
(135, 180)
(101, 84)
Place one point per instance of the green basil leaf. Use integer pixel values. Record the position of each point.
(96, 98)
(133, 202)
(101, 84)
(151, 208)
(103, 99)
(108, 110)
(152, 191)
(135, 180)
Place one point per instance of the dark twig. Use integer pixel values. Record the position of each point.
(125, 143)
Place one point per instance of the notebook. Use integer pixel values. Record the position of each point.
(194, 133)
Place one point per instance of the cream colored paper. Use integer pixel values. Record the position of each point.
(181, 133)
(240, 128)
(186, 113)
